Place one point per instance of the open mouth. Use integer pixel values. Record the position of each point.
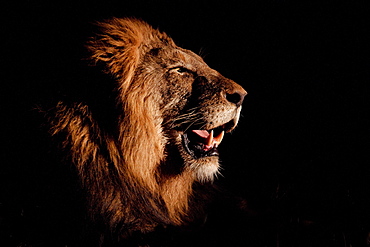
(203, 143)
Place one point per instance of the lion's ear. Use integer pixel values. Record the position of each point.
(122, 43)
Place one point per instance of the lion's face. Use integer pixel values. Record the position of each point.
(198, 105)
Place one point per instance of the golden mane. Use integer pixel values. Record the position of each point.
(133, 161)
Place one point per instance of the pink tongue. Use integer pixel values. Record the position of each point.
(201, 133)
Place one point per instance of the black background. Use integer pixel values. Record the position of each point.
(300, 156)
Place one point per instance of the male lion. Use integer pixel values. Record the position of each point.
(173, 113)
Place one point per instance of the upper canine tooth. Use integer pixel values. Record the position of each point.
(209, 140)
(218, 139)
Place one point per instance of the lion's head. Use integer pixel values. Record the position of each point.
(175, 111)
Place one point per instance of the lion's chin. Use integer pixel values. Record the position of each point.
(205, 169)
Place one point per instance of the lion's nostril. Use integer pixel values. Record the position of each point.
(236, 98)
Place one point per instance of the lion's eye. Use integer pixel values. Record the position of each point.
(181, 70)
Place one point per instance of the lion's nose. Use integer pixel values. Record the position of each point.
(236, 96)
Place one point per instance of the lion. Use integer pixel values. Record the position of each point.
(173, 112)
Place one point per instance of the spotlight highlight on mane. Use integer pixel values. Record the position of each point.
(173, 111)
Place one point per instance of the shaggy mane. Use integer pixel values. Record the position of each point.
(119, 171)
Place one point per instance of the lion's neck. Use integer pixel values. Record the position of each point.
(175, 192)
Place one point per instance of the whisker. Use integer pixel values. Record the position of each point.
(182, 119)
(188, 115)
(191, 117)
(203, 126)
(191, 125)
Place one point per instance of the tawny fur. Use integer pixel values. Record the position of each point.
(123, 175)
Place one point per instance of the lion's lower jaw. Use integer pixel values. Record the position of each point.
(205, 169)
